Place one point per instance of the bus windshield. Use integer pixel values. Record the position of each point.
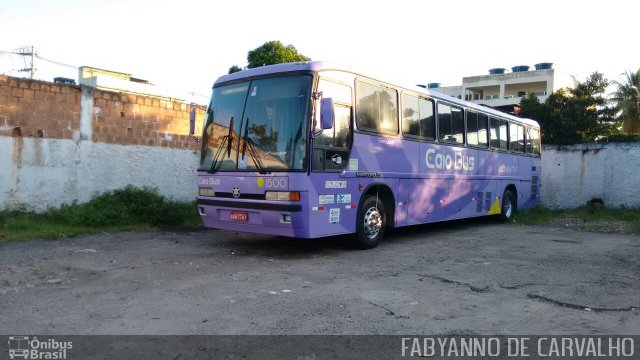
(257, 125)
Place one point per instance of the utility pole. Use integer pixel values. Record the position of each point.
(32, 53)
(33, 61)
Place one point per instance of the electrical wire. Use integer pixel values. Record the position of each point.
(25, 52)
(54, 62)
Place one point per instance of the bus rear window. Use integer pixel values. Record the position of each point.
(376, 108)
(533, 141)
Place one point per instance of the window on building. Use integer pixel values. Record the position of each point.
(376, 108)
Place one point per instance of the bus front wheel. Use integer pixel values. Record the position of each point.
(508, 206)
(372, 219)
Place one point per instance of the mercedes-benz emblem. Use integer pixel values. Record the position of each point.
(236, 192)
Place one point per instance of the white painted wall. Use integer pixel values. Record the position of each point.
(43, 173)
(37, 173)
(575, 174)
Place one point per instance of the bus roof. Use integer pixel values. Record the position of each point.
(325, 66)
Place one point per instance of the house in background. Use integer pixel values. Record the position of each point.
(503, 90)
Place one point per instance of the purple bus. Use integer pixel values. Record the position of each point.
(311, 150)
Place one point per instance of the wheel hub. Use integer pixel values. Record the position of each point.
(508, 208)
(372, 222)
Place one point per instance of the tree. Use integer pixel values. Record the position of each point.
(570, 116)
(627, 100)
(273, 52)
(234, 68)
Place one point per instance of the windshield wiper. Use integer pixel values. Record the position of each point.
(228, 140)
(252, 150)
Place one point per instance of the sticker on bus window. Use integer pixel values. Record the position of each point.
(325, 199)
(334, 215)
(353, 164)
(335, 184)
(255, 91)
(344, 198)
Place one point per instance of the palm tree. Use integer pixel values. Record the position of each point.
(627, 99)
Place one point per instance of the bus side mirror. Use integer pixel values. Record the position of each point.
(326, 113)
(192, 123)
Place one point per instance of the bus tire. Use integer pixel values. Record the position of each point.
(508, 207)
(371, 222)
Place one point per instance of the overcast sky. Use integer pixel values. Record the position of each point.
(187, 44)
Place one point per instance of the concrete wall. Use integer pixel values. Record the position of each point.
(64, 143)
(573, 175)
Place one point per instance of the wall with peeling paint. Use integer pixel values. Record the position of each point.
(573, 175)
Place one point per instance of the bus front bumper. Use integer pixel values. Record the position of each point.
(282, 219)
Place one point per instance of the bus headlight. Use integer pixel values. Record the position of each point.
(282, 195)
(206, 192)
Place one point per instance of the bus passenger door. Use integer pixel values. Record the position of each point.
(330, 195)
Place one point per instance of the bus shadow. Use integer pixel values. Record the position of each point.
(285, 247)
(412, 232)
(295, 248)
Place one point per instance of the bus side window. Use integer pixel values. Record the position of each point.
(427, 119)
(451, 124)
(339, 135)
(376, 108)
(444, 122)
(342, 128)
(483, 123)
(417, 117)
(499, 130)
(472, 128)
(516, 138)
(410, 115)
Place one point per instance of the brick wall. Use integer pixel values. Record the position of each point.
(32, 108)
(141, 120)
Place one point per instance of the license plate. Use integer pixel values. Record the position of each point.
(239, 216)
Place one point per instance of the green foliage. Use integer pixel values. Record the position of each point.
(627, 100)
(234, 68)
(620, 136)
(577, 115)
(126, 206)
(273, 52)
(129, 208)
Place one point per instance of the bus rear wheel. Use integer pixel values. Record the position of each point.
(371, 221)
(508, 206)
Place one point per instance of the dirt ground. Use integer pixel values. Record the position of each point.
(464, 277)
